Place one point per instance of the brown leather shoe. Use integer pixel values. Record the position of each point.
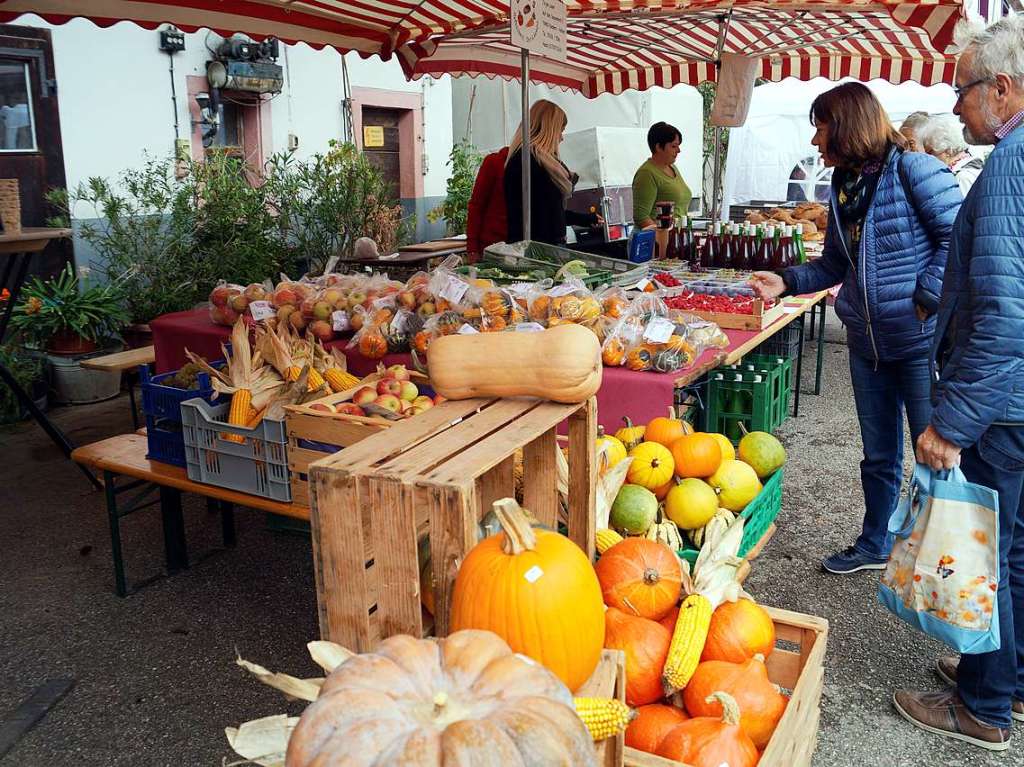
(946, 668)
(943, 713)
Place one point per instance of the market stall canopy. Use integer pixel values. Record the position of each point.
(618, 46)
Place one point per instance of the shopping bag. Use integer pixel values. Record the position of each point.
(943, 571)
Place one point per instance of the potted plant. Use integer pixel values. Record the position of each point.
(69, 321)
(28, 372)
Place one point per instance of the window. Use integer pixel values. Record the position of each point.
(229, 133)
(810, 181)
(17, 126)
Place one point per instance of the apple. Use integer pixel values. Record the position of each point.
(423, 401)
(285, 312)
(219, 295)
(390, 386)
(438, 399)
(356, 297)
(398, 372)
(307, 308)
(406, 299)
(238, 302)
(415, 410)
(324, 406)
(389, 402)
(284, 296)
(347, 408)
(426, 309)
(322, 310)
(331, 295)
(355, 320)
(255, 292)
(364, 395)
(324, 331)
(297, 321)
(406, 405)
(408, 391)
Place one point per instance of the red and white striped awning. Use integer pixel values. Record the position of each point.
(669, 42)
(614, 45)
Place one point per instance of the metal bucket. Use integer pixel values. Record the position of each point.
(74, 385)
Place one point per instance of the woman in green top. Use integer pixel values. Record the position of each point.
(658, 179)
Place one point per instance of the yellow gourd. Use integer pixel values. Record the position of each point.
(652, 465)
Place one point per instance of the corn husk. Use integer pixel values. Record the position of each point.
(244, 369)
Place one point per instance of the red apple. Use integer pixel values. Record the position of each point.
(390, 386)
(284, 296)
(408, 391)
(348, 408)
(406, 299)
(438, 399)
(307, 308)
(238, 302)
(389, 402)
(219, 295)
(426, 309)
(324, 406)
(255, 292)
(423, 401)
(331, 295)
(324, 331)
(364, 395)
(297, 321)
(398, 372)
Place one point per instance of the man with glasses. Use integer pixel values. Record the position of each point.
(978, 374)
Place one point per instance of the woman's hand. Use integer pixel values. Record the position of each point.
(767, 285)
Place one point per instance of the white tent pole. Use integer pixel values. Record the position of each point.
(716, 179)
(525, 149)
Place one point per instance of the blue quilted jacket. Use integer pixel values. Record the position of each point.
(901, 260)
(979, 339)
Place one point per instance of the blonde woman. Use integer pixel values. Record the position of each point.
(551, 183)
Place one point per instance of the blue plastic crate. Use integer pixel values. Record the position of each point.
(165, 442)
(161, 405)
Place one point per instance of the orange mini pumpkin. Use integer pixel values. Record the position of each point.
(653, 722)
(696, 455)
(540, 308)
(646, 646)
(614, 306)
(739, 630)
(372, 345)
(614, 352)
(666, 430)
(711, 741)
(496, 303)
(640, 577)
(421, 341)
(640, 357)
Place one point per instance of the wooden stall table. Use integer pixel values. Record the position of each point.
(124, 456)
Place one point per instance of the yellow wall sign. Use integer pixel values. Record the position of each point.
(373, 135)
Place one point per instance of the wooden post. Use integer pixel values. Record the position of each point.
(540, 472)
(583, 476)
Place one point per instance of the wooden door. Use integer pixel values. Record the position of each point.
(30, 143)
(381, 145)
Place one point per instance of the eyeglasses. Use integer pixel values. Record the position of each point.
(961, 90)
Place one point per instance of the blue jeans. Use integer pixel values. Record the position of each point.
(881, 397)
(987, 682)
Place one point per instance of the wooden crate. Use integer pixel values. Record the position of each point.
(305, 425)
(608, 681)
(797, 665)
(438, 473)
(759, 320)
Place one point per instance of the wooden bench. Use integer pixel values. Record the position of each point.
(128, 362)
(125, 456)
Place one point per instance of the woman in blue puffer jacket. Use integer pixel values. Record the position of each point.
(891, 216)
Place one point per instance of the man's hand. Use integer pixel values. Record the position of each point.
(935, 451)
(767, 285)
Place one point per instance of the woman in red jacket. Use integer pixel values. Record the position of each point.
(487, 222)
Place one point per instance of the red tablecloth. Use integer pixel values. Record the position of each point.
(641, 396)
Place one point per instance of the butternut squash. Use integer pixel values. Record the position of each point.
(562, 364)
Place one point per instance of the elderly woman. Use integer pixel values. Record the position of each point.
(909, 129)
(943, 137)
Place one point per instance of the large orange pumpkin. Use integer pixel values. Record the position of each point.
(666, 430)
(653, 722)
(696, 455)
(535, 589)
(711, 741)
(640, 577)
(646, 646)
(739, 630)
(760, 702)
(669, 621)
(464, 699)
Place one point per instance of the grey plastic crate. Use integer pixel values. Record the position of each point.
(258, 466)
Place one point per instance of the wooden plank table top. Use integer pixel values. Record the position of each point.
(30, 239)
(801, 305)
(126, 454)
(121, 361)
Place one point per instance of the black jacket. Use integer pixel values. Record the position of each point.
(548, 216)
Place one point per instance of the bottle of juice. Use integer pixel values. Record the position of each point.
(763, 255)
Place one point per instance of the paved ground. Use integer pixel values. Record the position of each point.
(156, 683)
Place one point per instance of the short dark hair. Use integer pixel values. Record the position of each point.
(859, 128)
(661, 133)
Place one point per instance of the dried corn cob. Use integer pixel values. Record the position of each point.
(333, 366)
(687, 642)
(606, 538)
(604, 717)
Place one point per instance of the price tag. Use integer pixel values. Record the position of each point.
(520, 288)
(562, 290)
(467, 330)
(534, 574)
(454, 290)
(659, 330)
(528, 327)
(398, 323)
(642, 285)
(340, 321)
(261, 310)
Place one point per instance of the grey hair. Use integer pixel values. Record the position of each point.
(941, 134)
(998, 48)
(914, 121)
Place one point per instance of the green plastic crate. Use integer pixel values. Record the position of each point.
(781, 368)
(757, 517)
(765, 382)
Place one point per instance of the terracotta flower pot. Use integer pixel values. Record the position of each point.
(67, 342)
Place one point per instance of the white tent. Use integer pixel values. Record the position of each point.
(777, 134)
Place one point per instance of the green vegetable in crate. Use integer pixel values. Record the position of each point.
(762, 452)
(574, 268)
(634, 510)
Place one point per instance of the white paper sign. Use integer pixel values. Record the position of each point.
(340, 321)
(534, 574)
(454, 290)
(529, 327)
(261, 310)
(659, 330)
(642, 285)
(539, 27)
(467, 330)
(735, 88)
(520, 288)
(562, 290)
